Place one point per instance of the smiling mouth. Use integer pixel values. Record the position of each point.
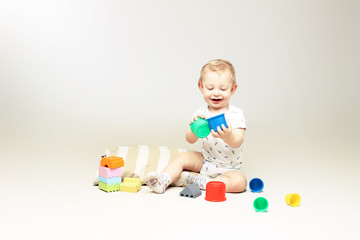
(216, 100)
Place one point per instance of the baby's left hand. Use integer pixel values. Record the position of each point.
(223, 133)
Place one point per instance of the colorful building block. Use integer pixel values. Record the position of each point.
(191, 191)
(131, 185)
(109, 181)
(110, 173)
(135, 180)
(109, 188)
(112, 162)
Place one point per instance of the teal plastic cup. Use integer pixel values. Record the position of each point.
(261, 204)
(200, 127)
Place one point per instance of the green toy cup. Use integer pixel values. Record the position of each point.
(200, 127)
(261, 204)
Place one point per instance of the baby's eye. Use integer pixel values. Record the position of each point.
(223, 89)
(210, 88)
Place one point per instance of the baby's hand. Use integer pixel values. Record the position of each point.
(223, 132)
(196, 118)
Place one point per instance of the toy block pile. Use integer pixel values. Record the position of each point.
(110, 176)
(110, 173)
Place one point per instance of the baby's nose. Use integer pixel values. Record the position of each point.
(216, 92)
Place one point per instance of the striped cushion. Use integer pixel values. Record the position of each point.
(142, 159)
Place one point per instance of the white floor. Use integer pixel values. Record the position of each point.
(51, 197)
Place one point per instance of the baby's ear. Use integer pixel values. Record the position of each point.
(201, 86)
(233, 89)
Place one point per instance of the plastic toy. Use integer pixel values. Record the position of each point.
(191, 191)
(217, 121)
(256, 185)
(261, 204)
(293, 199)
(131, 185)
(109, 187)
(134, 180)
(112, 162)
(110, 173)
(109, 184)
(215, 191)
(200, 127)
(109, 181)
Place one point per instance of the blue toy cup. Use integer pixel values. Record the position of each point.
(256, 185)
(217, 121)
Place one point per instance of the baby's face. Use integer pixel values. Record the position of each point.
(217, 88)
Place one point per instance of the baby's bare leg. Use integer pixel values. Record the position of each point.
(235, 181)
(191, 161)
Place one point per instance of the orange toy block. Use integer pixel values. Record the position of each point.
(112, 162)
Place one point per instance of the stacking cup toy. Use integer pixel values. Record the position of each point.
(261, 204)
(256, 185)
(215, 191)
(217, 121)
(200, 127)
(293, 199)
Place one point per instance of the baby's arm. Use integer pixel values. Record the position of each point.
(233, 137)
(190, 136)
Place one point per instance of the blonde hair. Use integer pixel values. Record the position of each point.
(218, 65)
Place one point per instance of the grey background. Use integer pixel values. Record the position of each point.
(77, 77)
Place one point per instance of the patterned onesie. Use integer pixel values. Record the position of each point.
(218, 156)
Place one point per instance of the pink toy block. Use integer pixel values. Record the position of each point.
(109, 173)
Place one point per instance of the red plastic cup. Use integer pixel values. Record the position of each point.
(215, 191)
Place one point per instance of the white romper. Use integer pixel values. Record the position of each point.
(219, 157)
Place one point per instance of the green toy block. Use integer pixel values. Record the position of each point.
(109, 188)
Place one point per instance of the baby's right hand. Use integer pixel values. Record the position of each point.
(196, 118)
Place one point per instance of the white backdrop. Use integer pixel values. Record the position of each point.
(77, 77)
(81, 76)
